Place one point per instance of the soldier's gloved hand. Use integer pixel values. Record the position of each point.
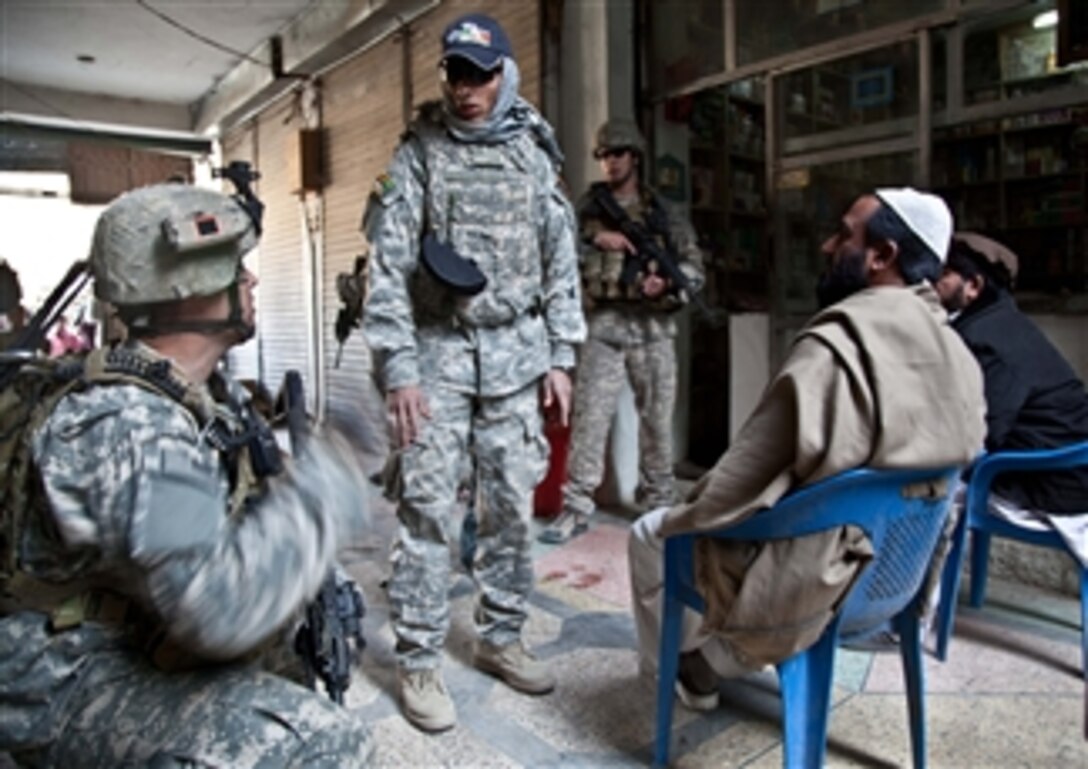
(331, 471)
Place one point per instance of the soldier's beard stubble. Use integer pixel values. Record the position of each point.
(618, 182)
(619, 168)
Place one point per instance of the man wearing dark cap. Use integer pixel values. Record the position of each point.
(876, 378)
(473, 315)
(1034, 399)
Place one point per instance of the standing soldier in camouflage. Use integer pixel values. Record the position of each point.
(159, 559)
(632, 327)
(472, 316)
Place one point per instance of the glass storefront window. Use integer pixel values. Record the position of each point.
(687, 42)
(1016, 56)
(871, 87)
(1021, 179)
(767, 33)
(728, 205)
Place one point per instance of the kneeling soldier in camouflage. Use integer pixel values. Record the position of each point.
(160, 556)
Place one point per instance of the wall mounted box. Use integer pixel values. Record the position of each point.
(306, 160)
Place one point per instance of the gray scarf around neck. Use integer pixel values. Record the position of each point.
(511, 116)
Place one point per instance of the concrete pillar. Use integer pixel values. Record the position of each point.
(621, 58)
(583, 83)
(597, 68)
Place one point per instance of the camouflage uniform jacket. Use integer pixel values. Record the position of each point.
(500, 205)
(632, 321)
(138, 505)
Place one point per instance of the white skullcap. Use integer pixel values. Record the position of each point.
(925, 214)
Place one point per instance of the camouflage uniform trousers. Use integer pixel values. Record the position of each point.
(119, 711)
(651, 369)
(506, 435)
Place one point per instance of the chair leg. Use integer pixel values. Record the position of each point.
(667, 668)
(980, 559)
(1084, 641)
(805, 680)
(950, 588)
(910, 649)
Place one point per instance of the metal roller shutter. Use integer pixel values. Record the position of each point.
(284, 319)
(362, 118)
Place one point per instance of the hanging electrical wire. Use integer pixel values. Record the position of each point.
(35, 97)
(197, 36)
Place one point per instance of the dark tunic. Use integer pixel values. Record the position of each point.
(1034, 400)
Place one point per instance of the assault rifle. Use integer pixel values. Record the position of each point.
(335, 617)
(647, 250)
(351, 286)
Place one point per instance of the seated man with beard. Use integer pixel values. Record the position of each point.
(877, 378)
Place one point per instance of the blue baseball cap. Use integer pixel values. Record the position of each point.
(478, 38)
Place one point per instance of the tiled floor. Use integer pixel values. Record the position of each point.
(1010, 694)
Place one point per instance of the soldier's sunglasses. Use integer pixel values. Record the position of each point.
(612, 152)
(456, 71)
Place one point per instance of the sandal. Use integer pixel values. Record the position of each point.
(564, 528)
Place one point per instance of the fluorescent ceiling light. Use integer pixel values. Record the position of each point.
(1045, 19)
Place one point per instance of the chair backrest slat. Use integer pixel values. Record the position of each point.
(893, 579)
(901, 511)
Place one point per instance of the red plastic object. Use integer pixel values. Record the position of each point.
(548, 499)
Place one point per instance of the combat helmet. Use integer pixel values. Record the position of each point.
(619, 133)
(168, 242)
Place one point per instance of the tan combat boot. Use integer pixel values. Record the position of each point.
(424, 699)
(515, 665)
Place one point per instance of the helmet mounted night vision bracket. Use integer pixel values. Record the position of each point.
(242, 175)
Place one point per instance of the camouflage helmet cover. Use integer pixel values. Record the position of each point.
(618, 133)
(169, 242)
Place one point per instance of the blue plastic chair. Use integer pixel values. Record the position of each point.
(981, 525)
(904, 530)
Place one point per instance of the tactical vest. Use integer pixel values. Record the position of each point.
(484, 200)
(25, 405)
(602, 271)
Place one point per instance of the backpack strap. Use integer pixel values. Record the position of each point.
(123, 365)
(250, 454)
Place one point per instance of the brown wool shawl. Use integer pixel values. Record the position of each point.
(879, 379)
